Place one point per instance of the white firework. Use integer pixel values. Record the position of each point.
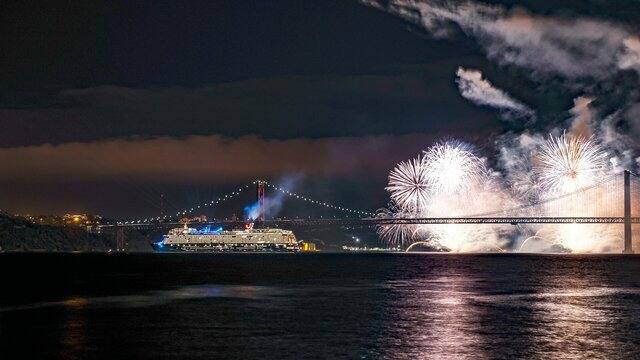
(408, 185)
(452, 166)
(565, 165)
(447, 180)
(395, 234)
(569, 163)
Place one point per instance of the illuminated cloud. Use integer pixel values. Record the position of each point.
(204, 159)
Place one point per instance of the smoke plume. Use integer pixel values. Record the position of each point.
(273, 203)
(481, 92)
(599, 60)
(583, 119)
(571, 47)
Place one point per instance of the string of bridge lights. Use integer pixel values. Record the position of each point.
(316, 202)
(223, 198)
(237, 192)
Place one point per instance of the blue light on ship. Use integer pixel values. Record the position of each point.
(208, 231)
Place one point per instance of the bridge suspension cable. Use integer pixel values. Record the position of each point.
(244, 188)
(596, 204)
(186, 211)
(317, 202)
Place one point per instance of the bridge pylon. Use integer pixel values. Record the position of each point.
(260, 187)
(121, 240)
(628, 244)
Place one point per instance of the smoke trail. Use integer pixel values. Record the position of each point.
(252, 212)
(630, 57)
(596, 57)
(481, 92)
(515, 159)
(583, 120)
(576, 47)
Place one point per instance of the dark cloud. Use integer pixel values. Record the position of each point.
(58, 45)
(398, 102)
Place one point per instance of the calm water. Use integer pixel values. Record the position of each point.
(325, 306)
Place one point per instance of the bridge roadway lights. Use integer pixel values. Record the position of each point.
(396, 221)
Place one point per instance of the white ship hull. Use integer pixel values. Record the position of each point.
(251, 240)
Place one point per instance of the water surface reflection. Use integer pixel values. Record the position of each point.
(323, 306)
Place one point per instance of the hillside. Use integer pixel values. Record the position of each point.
(21, 235)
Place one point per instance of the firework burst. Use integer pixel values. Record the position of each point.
(452, 166)
(568, 163)
(395, 234)
(564, 165)
(408, 185)
(447, 180)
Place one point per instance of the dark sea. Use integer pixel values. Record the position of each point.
(319, 306)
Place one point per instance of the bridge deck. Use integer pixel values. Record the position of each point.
(397, 221)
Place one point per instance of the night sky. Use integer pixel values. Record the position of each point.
(106, 105)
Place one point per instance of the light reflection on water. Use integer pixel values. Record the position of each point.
(454, 317)
(74, 333)
(440, 319)
(154, 298)
(330, 307)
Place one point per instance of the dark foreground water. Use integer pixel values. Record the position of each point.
(325, 306)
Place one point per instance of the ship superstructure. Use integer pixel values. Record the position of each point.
(219, 240)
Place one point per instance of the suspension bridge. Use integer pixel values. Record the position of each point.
(613, 200)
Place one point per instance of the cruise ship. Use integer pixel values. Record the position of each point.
(218, 240)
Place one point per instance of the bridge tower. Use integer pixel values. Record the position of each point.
(121, 240)
(628, 246)
(260, 186)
